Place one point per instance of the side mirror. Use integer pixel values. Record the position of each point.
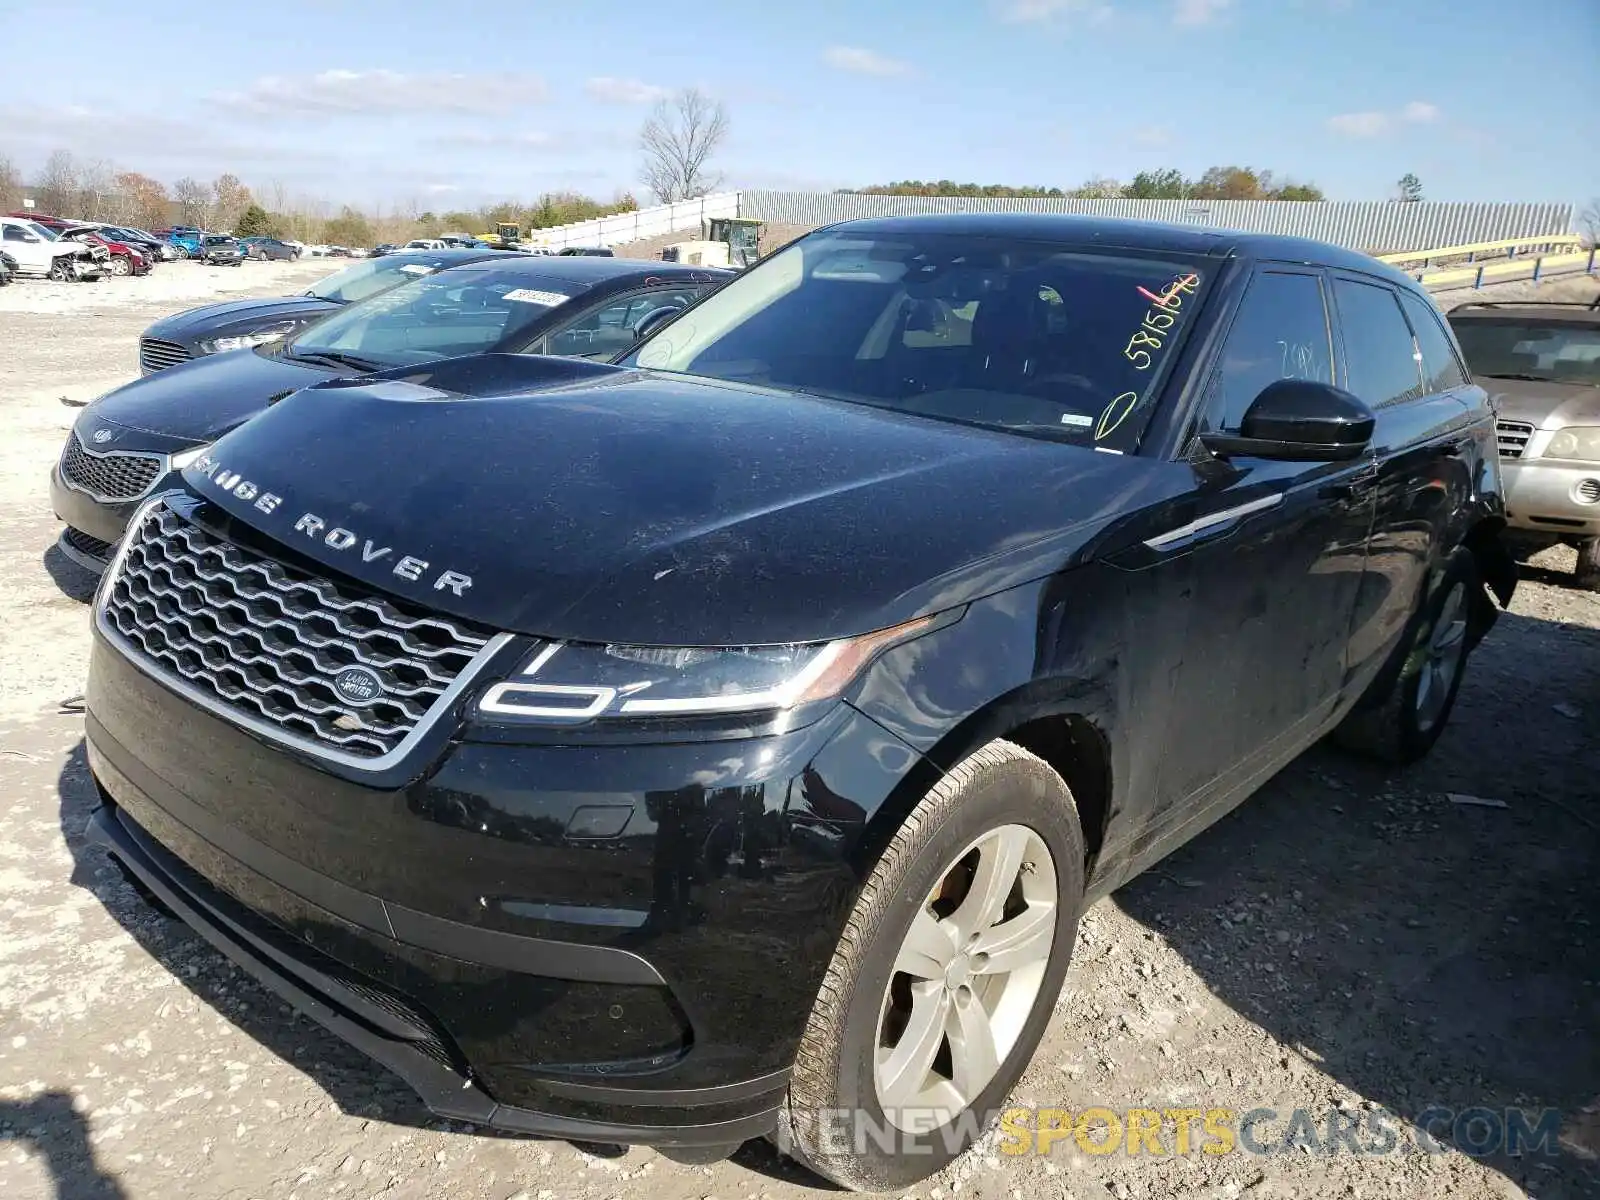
(1299, 420)
(654, 320)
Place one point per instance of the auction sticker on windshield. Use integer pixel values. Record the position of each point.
(534, 296)
(416, 269)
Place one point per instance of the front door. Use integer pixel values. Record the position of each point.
(1277, 555)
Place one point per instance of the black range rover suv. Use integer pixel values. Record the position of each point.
(725, 742)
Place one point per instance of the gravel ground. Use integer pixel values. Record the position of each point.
(1350, 942)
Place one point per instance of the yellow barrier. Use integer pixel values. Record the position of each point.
(1551, 240)
(1533, 266)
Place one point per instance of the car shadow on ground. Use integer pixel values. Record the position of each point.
(74, 581)
(59, 1135)
(1427, 954)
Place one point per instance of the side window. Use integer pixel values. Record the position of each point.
(607, 330)
(1439, 361)
(1281, 332)
(1381, 357)
(13, 234)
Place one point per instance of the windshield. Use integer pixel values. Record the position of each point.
(1035, 338)
(368, 278)
(1523, 349)
(43, 231)
(438, 316)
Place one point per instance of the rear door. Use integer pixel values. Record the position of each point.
(1277, 561)
(1423, 444)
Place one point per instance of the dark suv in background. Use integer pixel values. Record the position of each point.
(725, 741)
(1540, 361)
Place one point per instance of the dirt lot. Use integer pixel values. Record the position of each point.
(1349, 942)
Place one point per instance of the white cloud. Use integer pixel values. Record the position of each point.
(1038, 12)
(1199, 12)
(343, 92)
(1153, 135)
(441, 189)
(609, 90)
(1374, 124)
(1359, 124)
(864, 62)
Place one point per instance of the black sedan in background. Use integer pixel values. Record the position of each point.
(132, 441)
(239, 324)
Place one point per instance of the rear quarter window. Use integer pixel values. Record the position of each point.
(1439, 362)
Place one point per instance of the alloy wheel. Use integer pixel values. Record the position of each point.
(966, 978)
(1442, 656)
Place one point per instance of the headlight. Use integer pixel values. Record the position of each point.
(568, 683)
(245, 340)
(184, 458)
(1581, 442)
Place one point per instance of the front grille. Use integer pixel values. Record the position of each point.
(1512, 437)
(266, 640)
(157, 355)
(119, 475)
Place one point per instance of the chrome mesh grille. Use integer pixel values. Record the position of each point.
(266, 639)
(115, 476)
(157, 355)
(1512, 437)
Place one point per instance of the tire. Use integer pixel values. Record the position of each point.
(61, 272)
(1588, 570)
(119, 266)
(1404, 712)
(1000, 804)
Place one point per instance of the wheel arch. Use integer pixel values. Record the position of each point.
(1067, 723)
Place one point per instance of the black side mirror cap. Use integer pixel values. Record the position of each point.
(1299, 420)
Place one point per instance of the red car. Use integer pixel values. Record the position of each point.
(125, 259)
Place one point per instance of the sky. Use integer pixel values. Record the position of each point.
(446, 106)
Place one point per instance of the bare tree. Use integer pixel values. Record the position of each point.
(11, 190)
(1589, 222)
(194, 200)
(58, 185)
(144, 199)
(96, 181)
(681, 135)
(231, 198)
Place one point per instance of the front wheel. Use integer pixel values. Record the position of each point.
(62, 272)
(120, 266)
(944, 978)
(1402, 717)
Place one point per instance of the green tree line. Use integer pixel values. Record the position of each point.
(1216, 183)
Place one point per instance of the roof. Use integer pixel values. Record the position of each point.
(1071, 229)
(583, 270)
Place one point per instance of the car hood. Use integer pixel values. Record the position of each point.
(232, 315)
(200, 400)
(629, 506)
(1542, 404)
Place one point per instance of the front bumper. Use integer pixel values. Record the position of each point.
(647, 984)
(1546, 497)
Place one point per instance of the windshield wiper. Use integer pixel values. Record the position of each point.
(337, 358)
(1513, 375)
